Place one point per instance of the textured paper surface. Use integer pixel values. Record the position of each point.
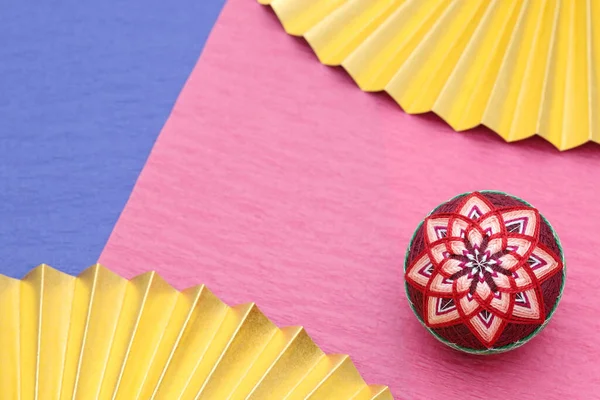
(276, 181)
(85, 88)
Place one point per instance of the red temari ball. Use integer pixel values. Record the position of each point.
(484, 272)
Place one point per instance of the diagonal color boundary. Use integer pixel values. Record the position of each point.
(86, 88)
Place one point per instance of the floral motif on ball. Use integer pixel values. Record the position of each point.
(483, 271)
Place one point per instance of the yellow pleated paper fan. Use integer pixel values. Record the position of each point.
(520, 67)
(99, 336)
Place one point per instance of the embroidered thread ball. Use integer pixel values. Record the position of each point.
(484, 272)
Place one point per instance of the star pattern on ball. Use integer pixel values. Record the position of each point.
(482, 266)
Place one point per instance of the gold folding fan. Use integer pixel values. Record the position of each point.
(520, 67)
(99, 336)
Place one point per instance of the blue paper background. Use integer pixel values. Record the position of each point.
(85, 88)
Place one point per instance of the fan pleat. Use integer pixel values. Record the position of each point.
(99, 336)
(99, 298)
(46, 301)
(477, 69)
(338, 35)
(301, 15)
(593, 34)
(520, 67)
(381, 55)
(10, 354)
(332, 377)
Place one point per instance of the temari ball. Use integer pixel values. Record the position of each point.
(484, 272)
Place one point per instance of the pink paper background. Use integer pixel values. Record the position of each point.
(277, 181)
